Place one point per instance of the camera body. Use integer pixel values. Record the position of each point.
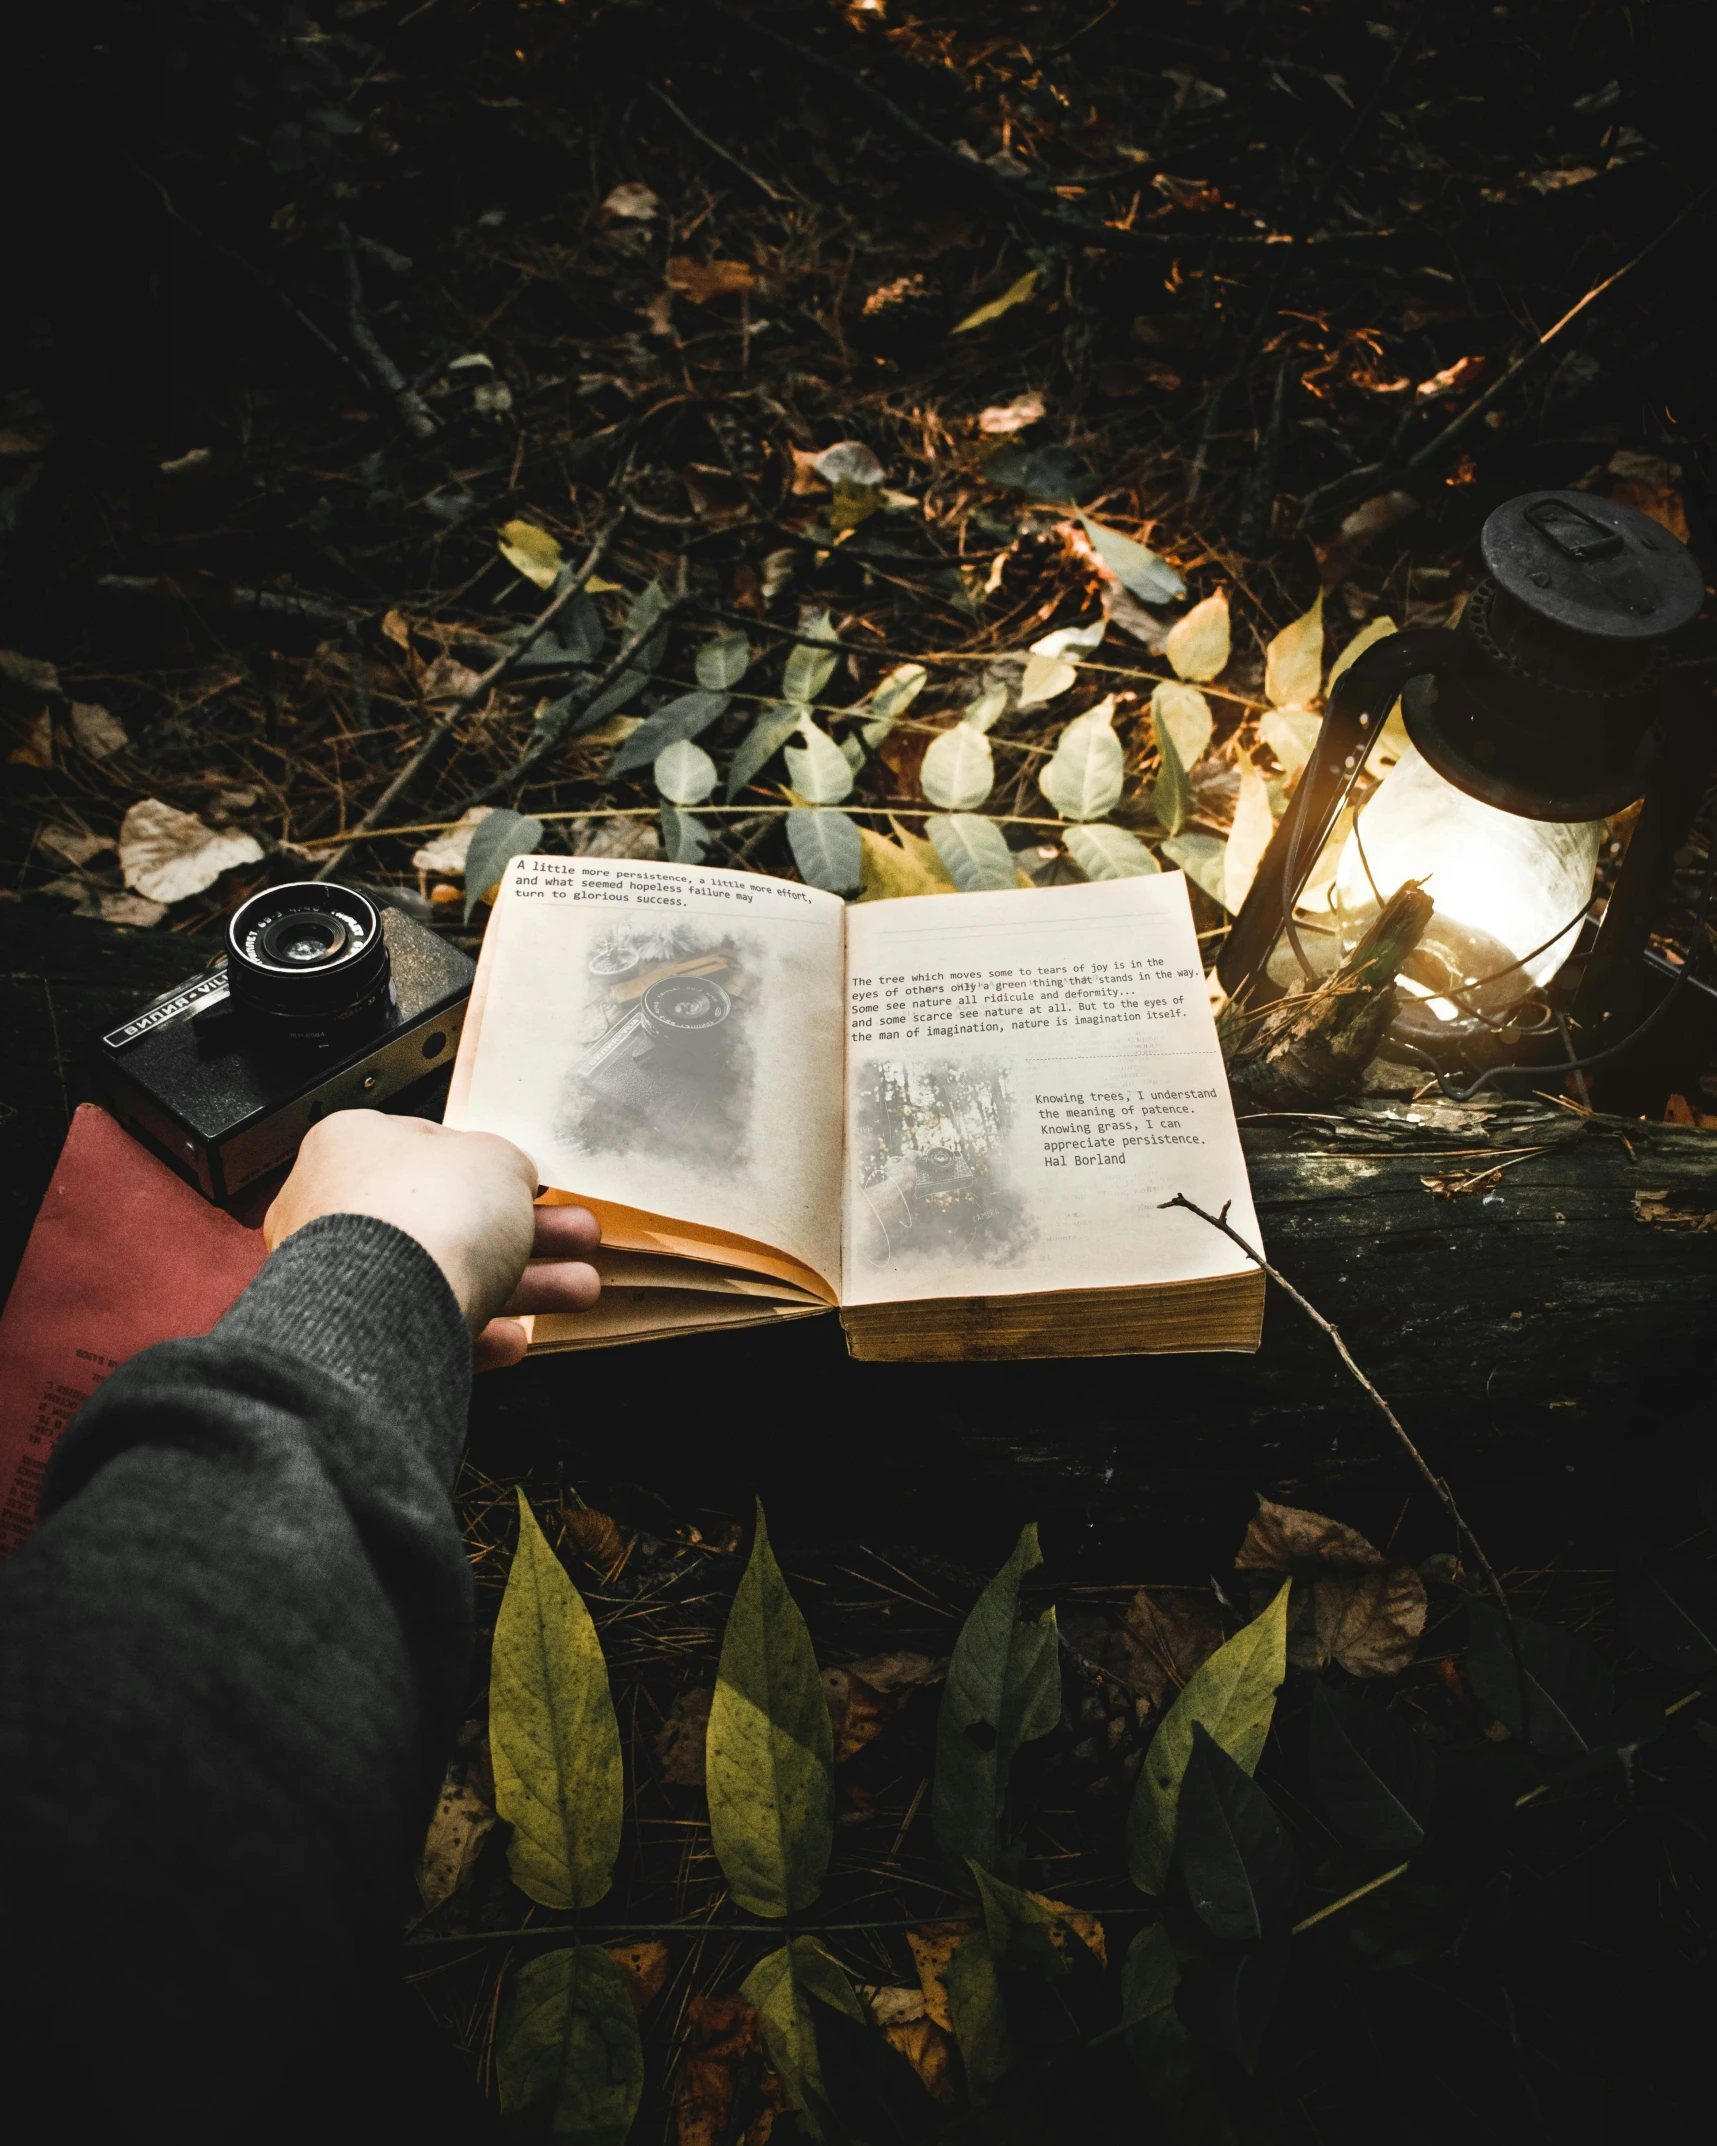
(322, 1003)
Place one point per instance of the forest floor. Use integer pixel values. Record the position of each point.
(921, 380)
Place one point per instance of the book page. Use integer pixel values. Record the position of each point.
(1029, 1075)
(666, 1039)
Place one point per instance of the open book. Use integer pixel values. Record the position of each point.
(953, 1118)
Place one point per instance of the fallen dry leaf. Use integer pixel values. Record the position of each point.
(679, 1742)
(445, 852)
(1005, 417)
(899, 1672)
(700, 281)
(723, 2095)
(464, 1817)
(447, 678)
(644, 1962)
(858, 1713)
(134, 909)
(929, 2049)
(169, 855)
(1451, 380)
(631, 202)
(1248, 838)
(1165, 1633)
(1683, 1209)
(1293, 662)
(1349, 1604)
(94, 732)
(594, 1535)
(72, 845)
(932, 1948)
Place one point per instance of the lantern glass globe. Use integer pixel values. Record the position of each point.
(1510, 895)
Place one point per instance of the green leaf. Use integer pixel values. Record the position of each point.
(770, 1753)
(979, 2012)
(552, 1732)
(684, 836)
(1053, 473)
(1149, 1976)
(1375, 1777)
(685, 773)
(1019, 1926)
(1083, 780)
(1233, 1696)
(1151, 580)
(610, 701)
(974, 853)
(688, 717)
(785, 1989)
(1294, 660)
(1239, 1866)
(1003, 1690)
(891, 699)
(500, 837)
(641, 614)
(762, 742)
(1227, 1998)
(1570, 1693)
(818, 770)
(808, 669)
(827, 848)
(722, 661)
(1202, 858)
(1182, 712)
(1105, 852)
(567, 2055)
(852, 752)
(959, 770)
(986, 710)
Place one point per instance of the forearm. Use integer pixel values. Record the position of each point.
(233, 1655)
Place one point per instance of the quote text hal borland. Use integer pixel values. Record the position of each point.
(1051, 1002)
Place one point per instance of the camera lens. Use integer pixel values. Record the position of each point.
(308, 964)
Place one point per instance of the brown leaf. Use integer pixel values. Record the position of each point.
(1661, 501)
(679, 1742)
(446, 678)
(720, 2096)
(1349, 1604)
(899, 1672)
(1163, 1636)
(929, 2049)
(857, 1711)
(644, 1962)
(594, 1536)
(700, 281)
(464, 1816)
(932, 1948)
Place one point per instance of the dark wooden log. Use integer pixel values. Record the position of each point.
(1514, 1276)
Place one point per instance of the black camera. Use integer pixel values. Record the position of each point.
(322, 1002)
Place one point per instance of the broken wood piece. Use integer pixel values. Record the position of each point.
(1314, 1047)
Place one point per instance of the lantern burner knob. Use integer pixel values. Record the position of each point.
(1592, 566)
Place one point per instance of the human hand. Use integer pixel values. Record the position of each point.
(467, 1199)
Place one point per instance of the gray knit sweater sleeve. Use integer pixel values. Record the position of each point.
(231, 1661)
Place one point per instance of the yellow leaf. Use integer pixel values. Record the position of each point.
(532, 552)
(1197, 645)
(552, 1732)
(1232, 1696)
(1293, 662)
(1248, 838)
(1379, 630)
(1015, 294)
(1184, 713)
(889, 870)
(597, 585)
(1291, 733)
(932, 1948)
(769, 1757)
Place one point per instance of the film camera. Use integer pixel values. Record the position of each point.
(322, 1002)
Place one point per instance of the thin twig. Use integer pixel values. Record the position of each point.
(413, 410)
(472, 697)
(1433, 1482)
(727, 156)
(648, 812)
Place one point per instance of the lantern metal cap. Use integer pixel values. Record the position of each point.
(1592, 565)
